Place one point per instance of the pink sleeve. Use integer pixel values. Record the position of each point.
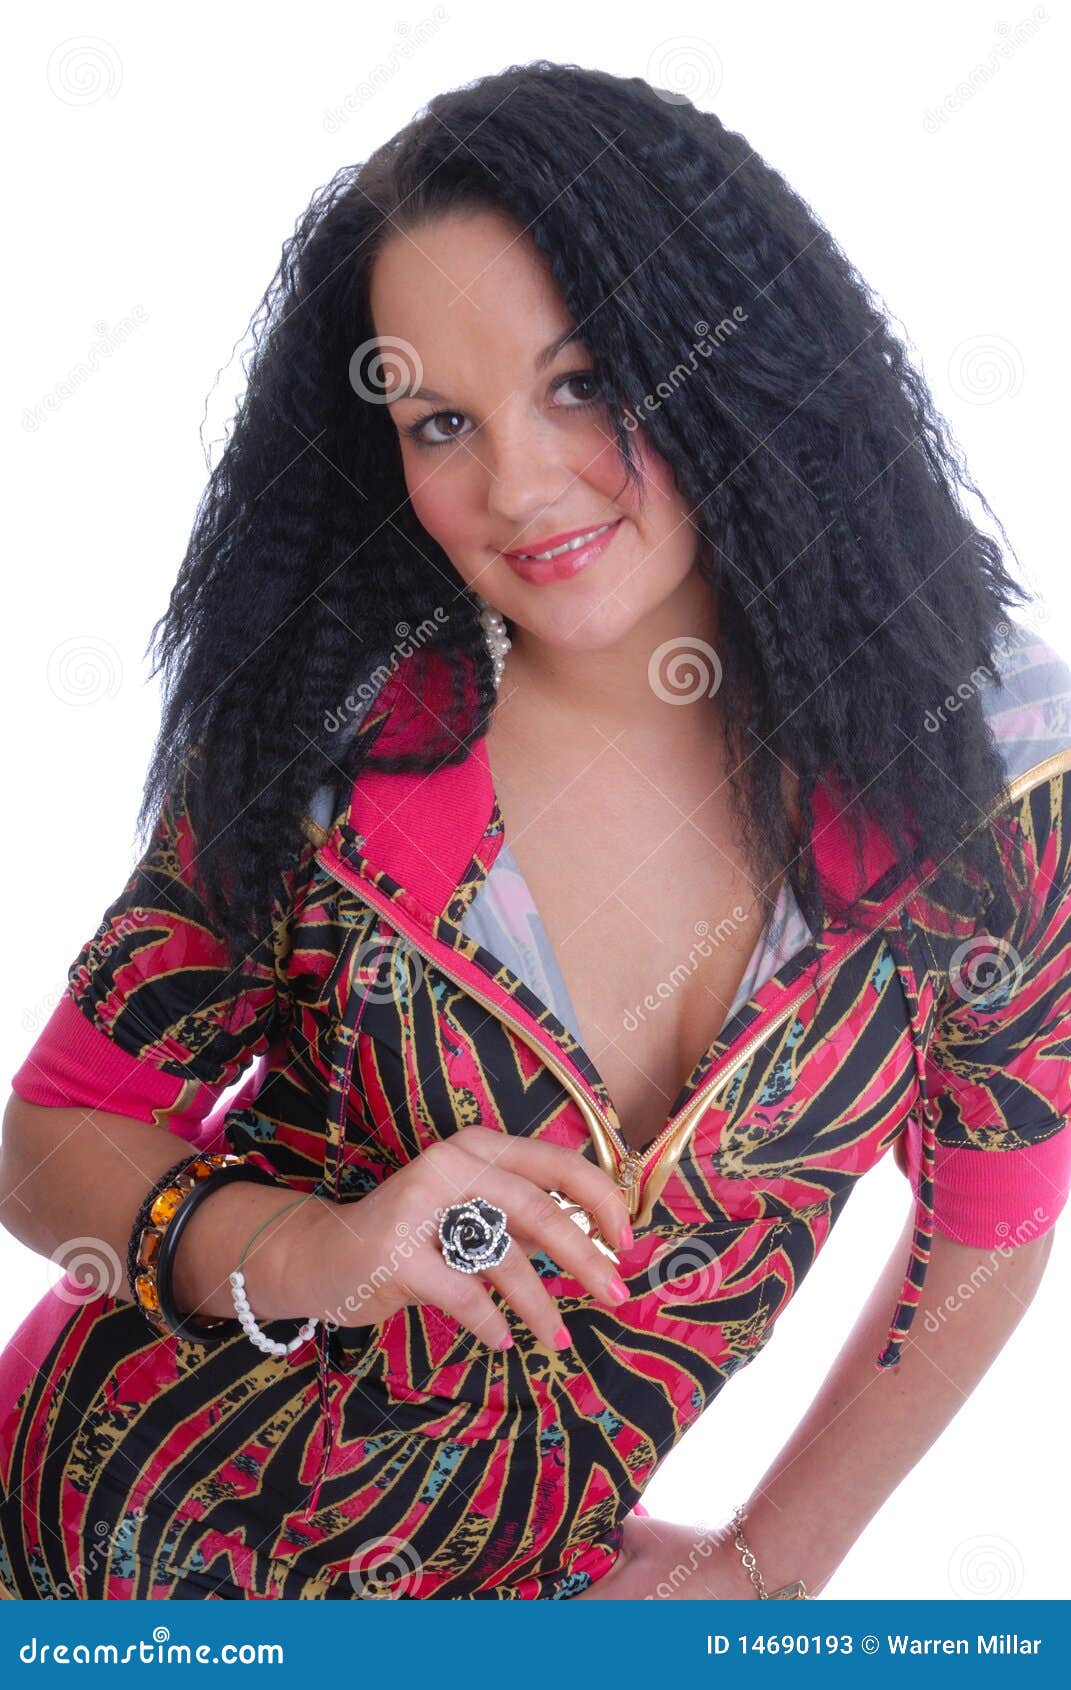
(157, 1023)
(992, 1200)
(999, 1064)
(73, 1063)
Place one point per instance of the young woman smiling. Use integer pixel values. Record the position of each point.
(556, 637)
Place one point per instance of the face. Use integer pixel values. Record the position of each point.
(506, 445)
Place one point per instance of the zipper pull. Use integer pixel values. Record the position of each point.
(628, 1178)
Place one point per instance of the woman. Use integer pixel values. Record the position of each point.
(503, 906)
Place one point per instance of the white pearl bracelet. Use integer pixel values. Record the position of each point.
(248, 1320)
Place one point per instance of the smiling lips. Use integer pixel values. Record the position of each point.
(563, 555)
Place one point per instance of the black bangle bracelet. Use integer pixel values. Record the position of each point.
(141, 1219)
(177, 1322)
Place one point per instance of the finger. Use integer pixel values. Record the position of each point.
(534, 1211)
(463, 1296)
(556, 1167)
(517, 1281)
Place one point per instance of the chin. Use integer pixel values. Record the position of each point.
(586, 613)
(580, 626)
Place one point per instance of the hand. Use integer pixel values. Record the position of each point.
(666, 1562)
(360, 1262)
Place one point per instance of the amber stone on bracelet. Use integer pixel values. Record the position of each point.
(145, 1287)
(148, 1247)
(165, 1205)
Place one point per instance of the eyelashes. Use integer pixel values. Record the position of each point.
(415, 431)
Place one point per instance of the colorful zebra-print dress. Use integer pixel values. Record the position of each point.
(412, 991)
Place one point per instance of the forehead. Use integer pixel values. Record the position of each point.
(466, 282)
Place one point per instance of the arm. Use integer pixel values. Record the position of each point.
(865, 1429)
(863, 1432)
(81, 1173)
(998, 1074)
(156, 1022)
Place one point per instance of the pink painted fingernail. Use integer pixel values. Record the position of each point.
(563, 1337)
(618, 1289)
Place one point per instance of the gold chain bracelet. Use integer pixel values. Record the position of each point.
(794, 1592)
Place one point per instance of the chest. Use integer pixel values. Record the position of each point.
(653, 917)
(395, 1039)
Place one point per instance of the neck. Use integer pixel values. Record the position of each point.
(624, 687)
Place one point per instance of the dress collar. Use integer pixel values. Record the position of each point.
(436, 834)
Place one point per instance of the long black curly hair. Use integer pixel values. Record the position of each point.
(854, 592)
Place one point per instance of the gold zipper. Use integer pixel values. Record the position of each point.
(684, 1121)
(599, 1125)
(622, 1161)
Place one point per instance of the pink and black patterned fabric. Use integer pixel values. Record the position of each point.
(405, 1458)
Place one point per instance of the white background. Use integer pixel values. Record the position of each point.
(157, 162)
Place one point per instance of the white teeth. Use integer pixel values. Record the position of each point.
(570, 545)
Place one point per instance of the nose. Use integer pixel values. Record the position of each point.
(529, 474)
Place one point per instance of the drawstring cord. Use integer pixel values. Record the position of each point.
(338, 1102)
(921, 1243)
(922, 1238)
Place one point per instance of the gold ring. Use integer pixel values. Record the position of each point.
(585, 1223)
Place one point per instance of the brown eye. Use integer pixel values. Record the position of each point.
(415, 431)
(583, 376)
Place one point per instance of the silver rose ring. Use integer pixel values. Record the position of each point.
(473, 1235)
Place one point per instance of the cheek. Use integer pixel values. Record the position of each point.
(659, 512)
(604, 472)
(439, 505)
(657, 471)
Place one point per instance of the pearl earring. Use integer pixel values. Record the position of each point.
(498, 641)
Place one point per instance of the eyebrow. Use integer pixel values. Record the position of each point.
(547, 356)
